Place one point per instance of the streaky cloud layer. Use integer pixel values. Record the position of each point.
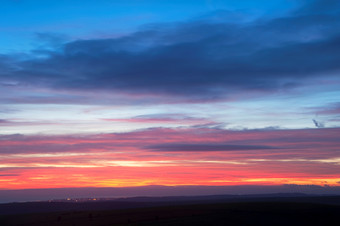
(108, 95)
(170, 157)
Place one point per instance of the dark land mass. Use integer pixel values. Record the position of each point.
(202, 210)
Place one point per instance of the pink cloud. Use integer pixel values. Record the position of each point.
(130, 159)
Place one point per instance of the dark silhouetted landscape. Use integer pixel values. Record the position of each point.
(271, 209)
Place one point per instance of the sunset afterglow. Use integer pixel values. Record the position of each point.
(180, 156)
(176, 93)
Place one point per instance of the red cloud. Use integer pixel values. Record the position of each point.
(308, 156)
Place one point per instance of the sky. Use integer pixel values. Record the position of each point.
(114, 93)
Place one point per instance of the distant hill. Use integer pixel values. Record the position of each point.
(26, 195)
(143, 202)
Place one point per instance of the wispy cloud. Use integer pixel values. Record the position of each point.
(206, 147)
(162, 118)
(318, 124)
(172, 156)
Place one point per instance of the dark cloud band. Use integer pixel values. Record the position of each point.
(205, 59)
(207, 147)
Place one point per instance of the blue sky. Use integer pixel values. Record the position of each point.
(22, 19)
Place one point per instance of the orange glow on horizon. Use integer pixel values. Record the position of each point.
(151, 158)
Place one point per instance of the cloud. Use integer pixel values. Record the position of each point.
(318, 124)
(21, 122)
(203, 59)
(173, 139)
(201, 156)
(50, 39)
(206, 147)
(319, 6)
(10, 175)
(330, 109)
(180, 139)
(162, 118)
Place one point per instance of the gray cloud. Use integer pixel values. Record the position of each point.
(318, 124)
(10, 175)
(206, 147)
(204, 59)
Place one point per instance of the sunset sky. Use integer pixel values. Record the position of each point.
(113, 93)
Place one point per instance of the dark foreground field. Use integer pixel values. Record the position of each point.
(244, 213)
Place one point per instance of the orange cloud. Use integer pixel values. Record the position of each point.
(195, 157)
